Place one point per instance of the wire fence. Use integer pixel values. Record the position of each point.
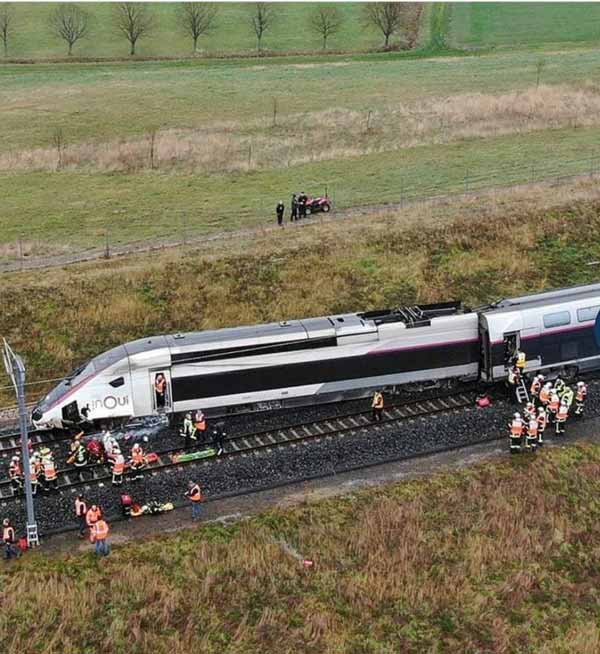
(213, 224)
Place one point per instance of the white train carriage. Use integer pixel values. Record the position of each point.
(292, 362)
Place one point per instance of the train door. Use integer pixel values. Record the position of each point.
(512, 342)
(485, 353)
(160, 387)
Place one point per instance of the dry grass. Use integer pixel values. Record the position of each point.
(332, 134)
(500, 558)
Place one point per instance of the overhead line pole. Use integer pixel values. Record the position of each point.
(15, 369)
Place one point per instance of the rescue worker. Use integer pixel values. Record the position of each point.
(80, 458)
(567, 396)
(218, 437)
(160, 390)
(553, 407)
(279, 209)
(532, 433)
(92, 515)
(302, 200)
(188, 431)
(138, 461)
(545, 395)
(16, 474)
(516, 433)
(559, 385)
(535, 388)
(81, 509)
(561, 418)
(377, 406)
(199, 426)
(34, 473)
(99, 535)
(118, 469)
(49, 469)
(110, 445)
(542, 420)
(580, 397)
(294, 213)
(194, 493)
(8, 538)
(529, 412)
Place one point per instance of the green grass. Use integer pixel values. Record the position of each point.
(489, 24)
(100, 101)
(77, 208)
(233, 32)
(498, 557)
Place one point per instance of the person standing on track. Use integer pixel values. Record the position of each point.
(194, 493)
(218, 437)
(188, 431)
(580, 396)
(118, 469)
(16, 474)
(542, 420)
(377, 406)
(138, 461)
(561, 418)
(80, 513)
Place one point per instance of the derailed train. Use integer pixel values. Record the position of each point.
(325, 359)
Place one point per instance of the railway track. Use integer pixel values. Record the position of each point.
(277, 437)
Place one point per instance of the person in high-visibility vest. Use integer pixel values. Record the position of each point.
(567, 396)
(49, 469)
(521, 362)
(532, 433)
(93, 515)
(553, 407)
(194, 493)
(81, 509)
(516, 433)
(535, 388)
(199, 426)
(528, 412)
(99, 535)
(8, 538)
(188, 431)
(542, 420)
(580, 397)
(16, 474)
(34, 474)
(138, 461)
(561, 418)
(559, 385)
(377, 406)
(545, 394)
(118, 469)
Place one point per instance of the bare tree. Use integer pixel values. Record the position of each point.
(262, 19)
(133, 20)
(70, 23)
(6, 29)
(196, 19)
(326, 21)
(385, 16)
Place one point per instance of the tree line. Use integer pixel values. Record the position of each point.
(134, 21)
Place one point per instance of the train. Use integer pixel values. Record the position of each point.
(314, 360)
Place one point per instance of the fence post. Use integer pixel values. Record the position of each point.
(249, 155)
(467, 180)
(183, 231)
(107, 248)
(22, 262)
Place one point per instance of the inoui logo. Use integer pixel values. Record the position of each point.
(110, 402)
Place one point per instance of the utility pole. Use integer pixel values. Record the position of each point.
(15, 368)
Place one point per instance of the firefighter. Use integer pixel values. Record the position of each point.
(16, 474)
(49, 469)
(516, 433)
(138, 460)
(535, 388)
(567, 396)
(529, 412)
(8, 538)
(34, 472)
(545, 393)
(559, 385)
(542, 420)
(553, 407)
(118, 469)
(80, 513)
(561, 418)
(377, 406)
(532, 432)
(580, 397)
(514, 381)
(188, 431)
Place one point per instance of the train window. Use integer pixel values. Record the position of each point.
(558, 319)
(588, 313)
(115, 383)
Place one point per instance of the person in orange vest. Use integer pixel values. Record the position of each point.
(199, 427)
(92, 516)
(16, 474)
(532, 433)
(81, 510)
(516, 433)
(529, 412)
(99, 535)
(535, 388)
(49, 470)
(34, 472)
(542, 420)
(545, 393)
(553, 407)
(8, 538)
(377, 406)
(118, 469)
(160, 390)
(561, 418)
(194, 493)
(580, 396)
(138, 461)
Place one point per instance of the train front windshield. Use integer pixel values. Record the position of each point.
(58, 392)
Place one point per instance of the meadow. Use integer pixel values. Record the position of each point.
(500, 557)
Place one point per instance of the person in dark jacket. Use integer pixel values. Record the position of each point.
(294, 214)
(302, 199)
(218, 437)
(279, 209)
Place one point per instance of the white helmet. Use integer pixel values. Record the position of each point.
(580, 383)
(548, 385)
(15, 458)
(517, 415)
(541, 410)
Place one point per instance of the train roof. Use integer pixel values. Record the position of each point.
(547, 298)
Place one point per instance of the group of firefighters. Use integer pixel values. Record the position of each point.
(42, 470)
(550, 406)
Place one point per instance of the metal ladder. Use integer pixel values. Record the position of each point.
(522, 394)
(32, 536)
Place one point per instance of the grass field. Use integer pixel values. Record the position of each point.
(501, 557)
(492, 24)
(232, 33)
